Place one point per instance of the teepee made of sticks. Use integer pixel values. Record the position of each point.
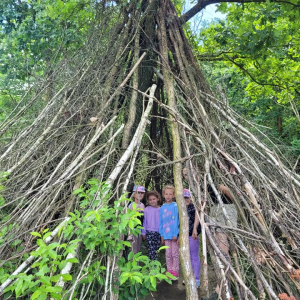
(132, 106)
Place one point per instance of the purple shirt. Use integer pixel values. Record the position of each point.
(151, 219)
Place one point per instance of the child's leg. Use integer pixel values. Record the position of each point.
(136, 243)
(195, 259)
(156, 244)
(149, 239)
(153, 243)
(169, 259)
(175, 256)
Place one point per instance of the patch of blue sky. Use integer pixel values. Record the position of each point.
(204, 17)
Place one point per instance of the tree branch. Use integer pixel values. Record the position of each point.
(203, 3)
(252, 77)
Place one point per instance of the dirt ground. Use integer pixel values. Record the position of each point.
(176, 290)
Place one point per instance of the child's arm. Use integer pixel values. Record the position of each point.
(144, 225)
(160, 229)
(175, 228)
(196, 223)
(225, 190)
(160, 222)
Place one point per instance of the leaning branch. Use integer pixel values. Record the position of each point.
(113, 176)
(31, 258)
(202, 4)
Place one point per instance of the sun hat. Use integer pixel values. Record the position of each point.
(139, 188)
(186, 193)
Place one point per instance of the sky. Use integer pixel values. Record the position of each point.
(210, 13)
(206, 15)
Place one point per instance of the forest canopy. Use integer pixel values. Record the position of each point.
(253, 56)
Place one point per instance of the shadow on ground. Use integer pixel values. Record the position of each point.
(176, 290)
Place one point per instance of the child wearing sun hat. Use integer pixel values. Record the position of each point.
(194, 230)
(138, 195)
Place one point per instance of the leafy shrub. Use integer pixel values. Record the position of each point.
(98, 229)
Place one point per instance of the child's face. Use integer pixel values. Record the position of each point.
(169, 195)
(185, 174)
(153, 201)
(187, 201)
(138, 196)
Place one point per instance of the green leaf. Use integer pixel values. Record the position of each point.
(16, 242)
(124, 276)
(90, 277)
(52, 254)
(67, 277)
(130, 256)
(25, 286)
(18, 287)
(123, 280)
(137, 278)
(46, 235)
(153, 281)
(40, 243)
(144, 292)
(73, 260)
(56, 296)
(45, 280)
(42, 296)
(162, 248)
(55, 278)
(77, 191)
(35, 234)
(35, 294)
(170, 275)
(53, 289)
(161, 276)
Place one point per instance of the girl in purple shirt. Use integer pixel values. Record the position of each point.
(151, 224)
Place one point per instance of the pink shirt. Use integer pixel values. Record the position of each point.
(139, 207)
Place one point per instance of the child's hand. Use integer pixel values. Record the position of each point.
(130, 238)
(162, 240)
(174, 239)
(195, 234)
(143, 237)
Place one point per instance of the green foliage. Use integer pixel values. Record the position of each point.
(138, 276)
(3, 178)
(35, 35)
(50, 260)
(254, 57)
(179, 4)
(99, 228)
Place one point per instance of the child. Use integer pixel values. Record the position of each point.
(169, 229)
(194, 230)
(138, 195)
(151, 224)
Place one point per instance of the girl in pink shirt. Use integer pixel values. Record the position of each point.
(138, 195)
